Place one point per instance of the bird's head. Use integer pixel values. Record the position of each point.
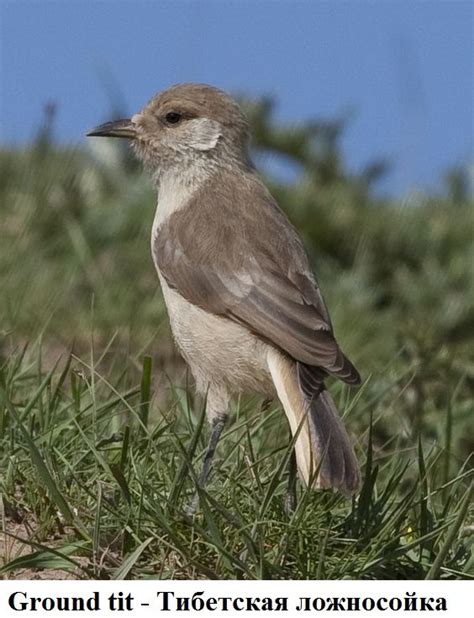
(184, 125)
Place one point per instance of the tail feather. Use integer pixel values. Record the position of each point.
(324, 454)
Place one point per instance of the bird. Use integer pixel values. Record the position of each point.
(245, 309)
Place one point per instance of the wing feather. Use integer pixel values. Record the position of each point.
(250, 267)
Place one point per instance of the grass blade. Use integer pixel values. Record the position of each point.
(435, 569)
(123, 571)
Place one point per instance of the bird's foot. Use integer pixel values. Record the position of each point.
(193, 504)
(289, 505)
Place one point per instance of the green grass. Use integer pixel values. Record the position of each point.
(100, 435)
(103, 493)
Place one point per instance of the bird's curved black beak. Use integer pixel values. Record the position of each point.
(116, 128)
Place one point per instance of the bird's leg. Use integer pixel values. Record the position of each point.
(217, 427)
(290, 496)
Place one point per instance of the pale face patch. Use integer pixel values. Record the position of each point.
(203, 133)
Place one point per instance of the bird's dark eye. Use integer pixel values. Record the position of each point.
(173, 117)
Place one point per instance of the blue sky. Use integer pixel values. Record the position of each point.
(403, 69)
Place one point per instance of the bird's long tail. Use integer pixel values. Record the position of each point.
(322, 444)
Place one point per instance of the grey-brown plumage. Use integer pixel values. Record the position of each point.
(248, 265)
(245, 309)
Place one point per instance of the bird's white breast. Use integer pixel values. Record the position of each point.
(172, 195)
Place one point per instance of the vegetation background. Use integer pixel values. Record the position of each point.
(100, 435)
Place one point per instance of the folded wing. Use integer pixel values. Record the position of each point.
(252, 269)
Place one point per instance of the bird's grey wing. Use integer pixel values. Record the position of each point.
(257, 294)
